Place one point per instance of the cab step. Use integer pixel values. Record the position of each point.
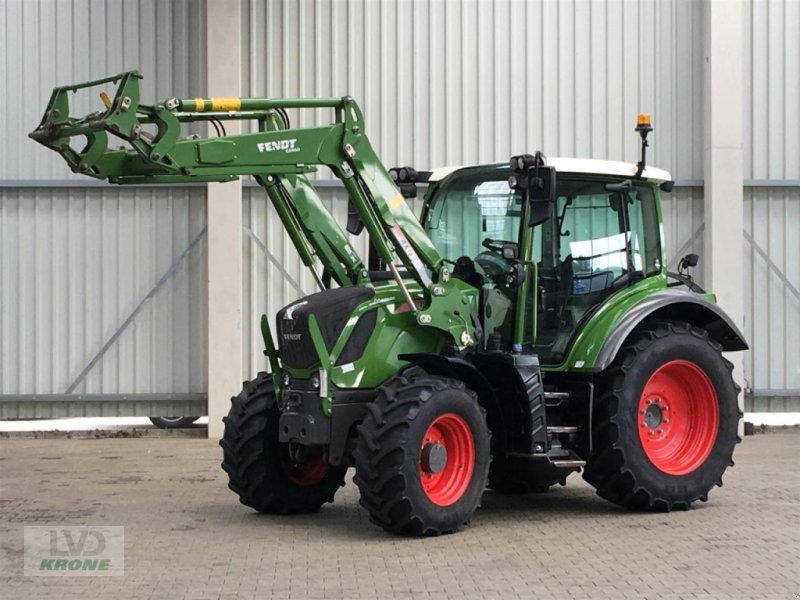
(569, 464)
(561, 429)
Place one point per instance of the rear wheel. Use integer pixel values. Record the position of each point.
(422, 455)
(261, 470)
(667, 420)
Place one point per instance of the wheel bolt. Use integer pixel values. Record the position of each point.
(666, 420)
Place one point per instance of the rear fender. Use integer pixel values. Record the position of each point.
(673, 305)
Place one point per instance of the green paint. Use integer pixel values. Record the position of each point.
(272, 354)
(582, 354)
(324, 362)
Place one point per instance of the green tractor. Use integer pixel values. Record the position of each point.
(525, 328)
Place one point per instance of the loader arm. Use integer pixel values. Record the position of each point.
(279, 158)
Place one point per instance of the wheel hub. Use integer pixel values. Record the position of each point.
(653, 416)
(434, 458)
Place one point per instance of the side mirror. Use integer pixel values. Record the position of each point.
(688, 261)
(542, 194)
(531, 174)
(543, 184)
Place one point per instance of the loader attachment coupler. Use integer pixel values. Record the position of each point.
(162, 157)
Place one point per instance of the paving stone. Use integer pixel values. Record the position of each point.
(187, 536)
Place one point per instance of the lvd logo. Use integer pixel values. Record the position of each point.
(79, 547)
(86, 550)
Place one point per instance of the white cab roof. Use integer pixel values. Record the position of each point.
(581, 165)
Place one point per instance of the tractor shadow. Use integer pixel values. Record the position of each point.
(347, 521)
(559, 500)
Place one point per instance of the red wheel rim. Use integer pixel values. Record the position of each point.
(678, 417)
(307, 471)
(447, 459)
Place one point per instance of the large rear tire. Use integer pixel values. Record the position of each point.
(422, 456)
(666, 422)
(258, 465)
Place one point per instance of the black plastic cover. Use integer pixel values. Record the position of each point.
(354, 347)
(332, 308)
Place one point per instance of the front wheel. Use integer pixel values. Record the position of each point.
(667, 420)
(261, 469)
(422, 456)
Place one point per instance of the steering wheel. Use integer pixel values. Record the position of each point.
(493, 264)
(495, 245)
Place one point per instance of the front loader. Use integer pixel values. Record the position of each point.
(523, 329)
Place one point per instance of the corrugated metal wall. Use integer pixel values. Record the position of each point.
(441, 82)
(76, 264)
(772, 212)
(682, 211)
(46, 43)
(76, 261)
(772, 76)
(772, 298)
(463, 82)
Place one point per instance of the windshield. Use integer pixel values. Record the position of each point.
(471, 210)
(470, 220)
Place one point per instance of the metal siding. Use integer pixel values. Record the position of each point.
(441, 83)
(772, 89)
(75, 263)
(45, 43)
(682, 212)
(477, 81)
(772, 214)
(772, 299)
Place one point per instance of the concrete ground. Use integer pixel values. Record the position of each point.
(186, 535)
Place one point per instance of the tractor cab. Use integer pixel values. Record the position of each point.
(601, 234)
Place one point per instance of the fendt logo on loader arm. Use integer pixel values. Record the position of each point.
(285, 145)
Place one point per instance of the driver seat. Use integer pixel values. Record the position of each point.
(465, 271)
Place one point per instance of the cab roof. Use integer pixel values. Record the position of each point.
(588, 166)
